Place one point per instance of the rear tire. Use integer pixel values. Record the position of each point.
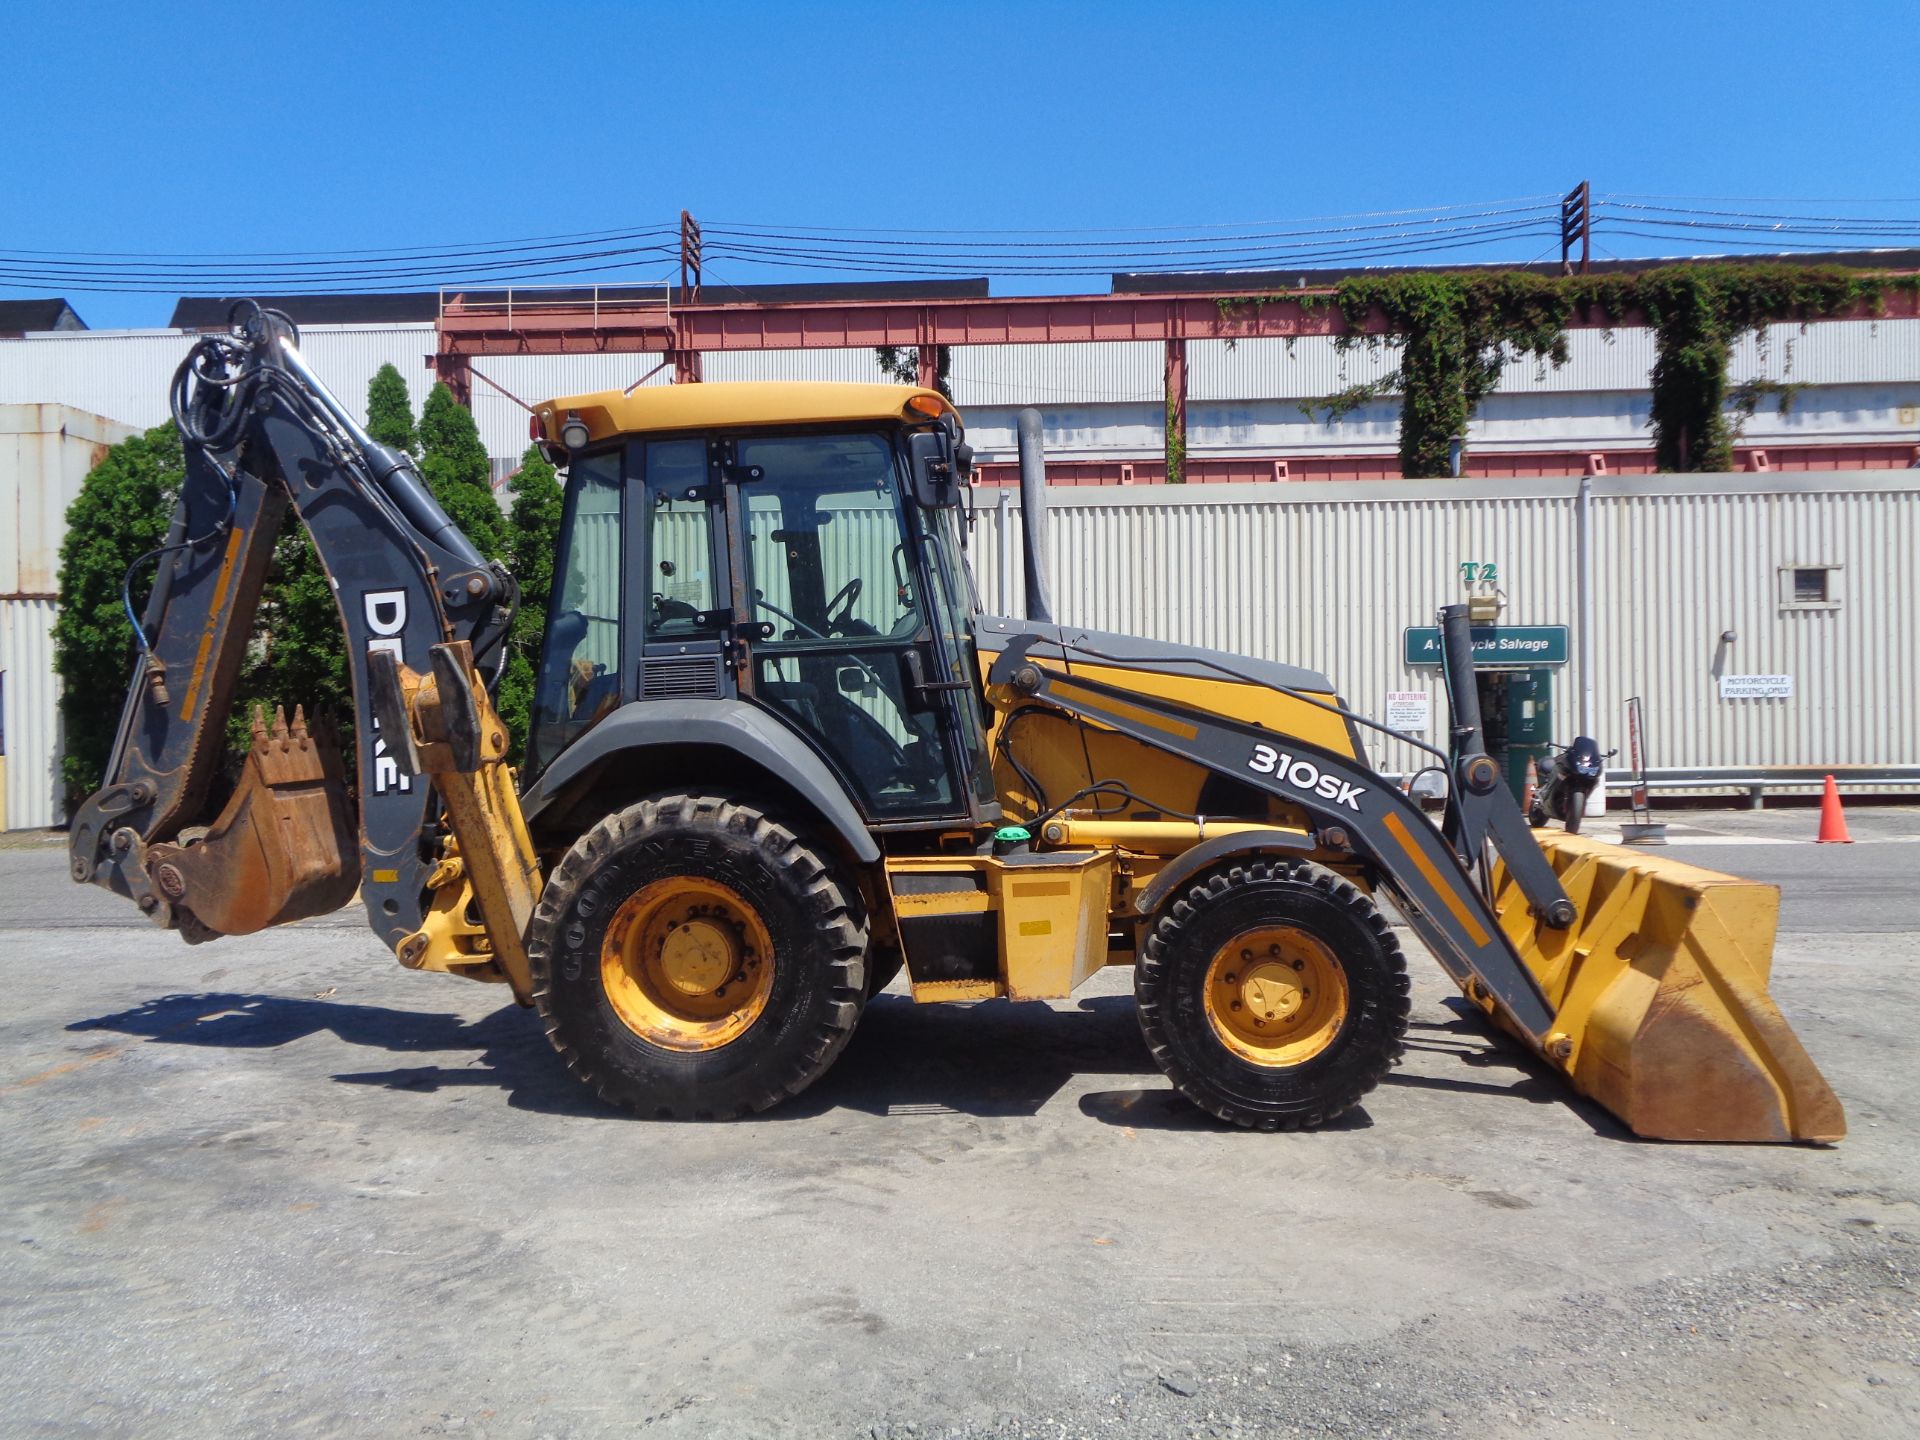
(1273, 995)
(694, 959)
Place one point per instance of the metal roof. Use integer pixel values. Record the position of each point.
(1215, 281)
(17, 317)
(698, 407)
(210, 312)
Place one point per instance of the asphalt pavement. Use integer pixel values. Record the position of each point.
(277, 1184)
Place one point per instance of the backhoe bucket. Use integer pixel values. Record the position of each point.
(282, 848)
(1660, 996)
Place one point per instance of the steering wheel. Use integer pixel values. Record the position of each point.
(840, 607)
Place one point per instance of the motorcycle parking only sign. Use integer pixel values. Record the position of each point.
(1756, 687)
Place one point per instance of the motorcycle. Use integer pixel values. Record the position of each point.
(1563, 791)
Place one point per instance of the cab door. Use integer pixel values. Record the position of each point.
(677, 588)
(833, 622)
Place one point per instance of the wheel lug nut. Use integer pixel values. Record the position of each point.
(1299, 964)
(1236, 1004)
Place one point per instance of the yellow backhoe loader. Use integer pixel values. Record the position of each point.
(778, 753)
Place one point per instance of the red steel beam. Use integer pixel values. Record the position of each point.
(612, 326)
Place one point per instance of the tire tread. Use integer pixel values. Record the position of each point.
(836, 910)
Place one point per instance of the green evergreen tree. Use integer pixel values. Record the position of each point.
(455, 465)
(534, 536)
(390, 412)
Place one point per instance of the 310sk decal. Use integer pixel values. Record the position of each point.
(1305, 775)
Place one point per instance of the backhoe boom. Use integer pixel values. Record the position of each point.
(263, 437)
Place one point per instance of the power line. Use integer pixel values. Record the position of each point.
(1358, 240)
(537, 242)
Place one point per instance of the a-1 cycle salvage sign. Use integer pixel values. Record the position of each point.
(1494, 645)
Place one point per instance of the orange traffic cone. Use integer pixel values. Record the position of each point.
(1833, 821)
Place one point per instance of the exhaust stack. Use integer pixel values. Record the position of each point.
(1033, 514)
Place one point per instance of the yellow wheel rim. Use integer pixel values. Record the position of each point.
(687, 964)
(1276, 996)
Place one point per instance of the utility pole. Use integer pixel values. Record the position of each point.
(689, 258)
(1576, 223)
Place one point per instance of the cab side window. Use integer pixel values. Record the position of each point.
(579, 677)
(680, 568)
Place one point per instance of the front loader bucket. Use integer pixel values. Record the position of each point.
(1660, 997)
(282, 848)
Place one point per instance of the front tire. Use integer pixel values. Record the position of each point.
(694, 959)
(1576, 810)
(1273, 995)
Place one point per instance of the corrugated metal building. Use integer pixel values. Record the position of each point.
(1328, 575)
(1332, 575)
(45, 452)
(1853, 381)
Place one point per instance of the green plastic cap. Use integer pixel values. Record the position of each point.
(1012, 834)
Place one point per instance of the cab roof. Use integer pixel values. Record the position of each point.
(738, 404)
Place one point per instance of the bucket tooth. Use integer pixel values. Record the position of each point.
(1662, 1012)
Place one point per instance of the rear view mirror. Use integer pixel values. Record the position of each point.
(935, 478)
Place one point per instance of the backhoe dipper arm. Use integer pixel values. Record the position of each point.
(417, 602)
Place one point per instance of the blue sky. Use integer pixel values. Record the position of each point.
(155, 127)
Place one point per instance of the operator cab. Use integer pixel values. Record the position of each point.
(810, 567)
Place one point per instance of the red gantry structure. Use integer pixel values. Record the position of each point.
(680, 325)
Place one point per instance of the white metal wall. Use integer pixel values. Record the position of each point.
(126, 374)
(1883, 412)
(1833, 352)
(31, 768)
(45, 454)
(1330, 575)
(1102, 399)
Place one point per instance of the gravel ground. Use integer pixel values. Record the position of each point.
(278, 1184)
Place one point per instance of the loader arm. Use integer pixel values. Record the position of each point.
(418, 605)
(1353, 810)
(1647, 991)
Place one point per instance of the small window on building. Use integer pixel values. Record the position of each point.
(1809, 587)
